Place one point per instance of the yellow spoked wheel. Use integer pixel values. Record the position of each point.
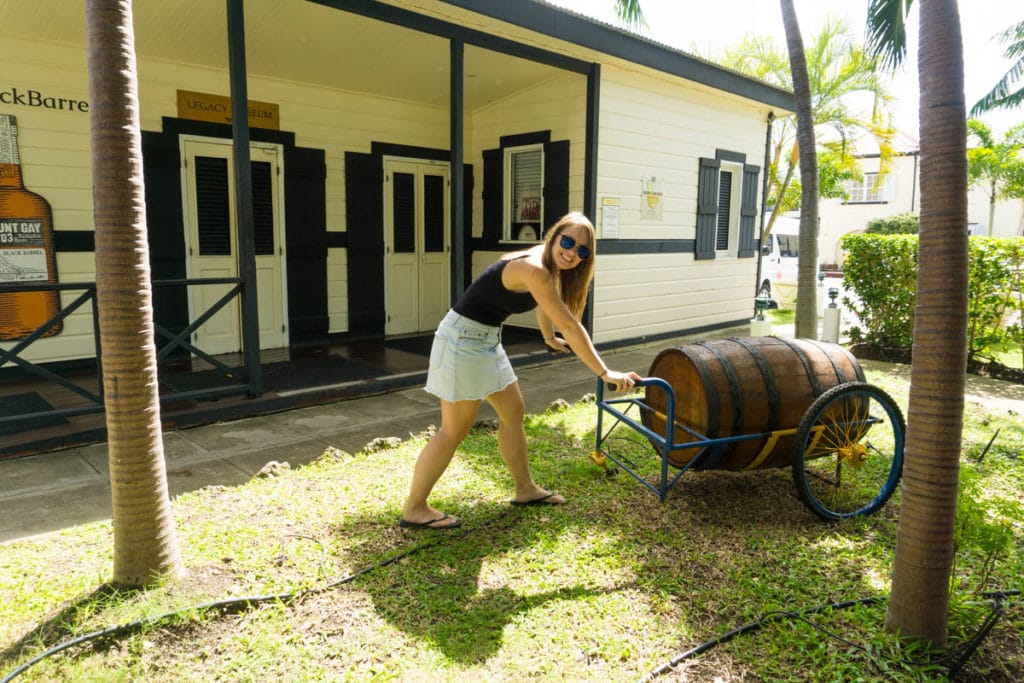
(848, 454)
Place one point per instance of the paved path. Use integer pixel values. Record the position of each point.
(42, 493)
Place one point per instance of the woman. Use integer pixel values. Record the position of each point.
(468, 363)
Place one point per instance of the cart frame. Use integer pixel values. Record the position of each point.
(808, 433)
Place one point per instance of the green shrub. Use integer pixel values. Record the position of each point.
(989, 278)
(882, 271)
(901, 224)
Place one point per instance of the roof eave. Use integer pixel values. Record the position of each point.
(579, 30)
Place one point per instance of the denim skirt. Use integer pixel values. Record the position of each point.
(467, 361)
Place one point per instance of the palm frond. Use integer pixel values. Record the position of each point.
(630, 13)
(886, 37)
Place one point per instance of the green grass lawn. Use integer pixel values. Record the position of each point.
(612, 586)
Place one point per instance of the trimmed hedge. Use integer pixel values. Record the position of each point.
(881, 271)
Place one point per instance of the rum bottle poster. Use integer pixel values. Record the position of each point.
(26, 246)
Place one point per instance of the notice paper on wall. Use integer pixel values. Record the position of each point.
(609, 218)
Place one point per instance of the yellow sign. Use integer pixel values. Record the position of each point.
(200, 106)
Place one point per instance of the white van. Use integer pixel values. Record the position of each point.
(779, 255)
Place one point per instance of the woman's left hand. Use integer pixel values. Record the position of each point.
(557, 345)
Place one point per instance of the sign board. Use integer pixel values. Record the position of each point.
(199, 106)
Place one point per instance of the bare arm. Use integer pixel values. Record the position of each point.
(553, 343)
(552, 312)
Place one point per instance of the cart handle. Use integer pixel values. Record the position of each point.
(670, 393)
(644, 382)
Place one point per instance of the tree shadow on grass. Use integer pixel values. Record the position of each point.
(714, 526)
(61, 625)
(440, 592)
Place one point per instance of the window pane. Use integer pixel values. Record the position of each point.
(869, 189)
(262, 208)
(527, 177)
(403, 206)
(433, 213)
(788, 245)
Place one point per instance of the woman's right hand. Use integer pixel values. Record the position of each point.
(620, 381)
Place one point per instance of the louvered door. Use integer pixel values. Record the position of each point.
(212, 243)
(416, 247)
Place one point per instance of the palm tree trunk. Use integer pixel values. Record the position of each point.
(924, 546)
(806, 291)
(145, 543)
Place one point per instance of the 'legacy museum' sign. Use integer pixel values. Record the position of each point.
(199, 106)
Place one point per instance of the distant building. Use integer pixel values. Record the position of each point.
(899, 192)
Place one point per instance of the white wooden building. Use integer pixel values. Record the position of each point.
(361, 224)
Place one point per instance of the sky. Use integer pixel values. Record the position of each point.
(711, 26)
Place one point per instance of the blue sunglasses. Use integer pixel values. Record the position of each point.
(567, 242)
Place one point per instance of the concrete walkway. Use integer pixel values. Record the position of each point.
(46, 492)
(50, 491)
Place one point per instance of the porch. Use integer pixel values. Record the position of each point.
(195, 392)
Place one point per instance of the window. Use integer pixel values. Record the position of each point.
(872, 188)
(727, 224)
(789, 245)
(525, 187)
(726, 207)
(524, 201)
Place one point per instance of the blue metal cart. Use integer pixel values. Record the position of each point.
(847, 453)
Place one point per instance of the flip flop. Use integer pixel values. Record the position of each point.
(406, 524)
(543, 500)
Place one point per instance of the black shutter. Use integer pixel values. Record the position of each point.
(364, 221)
(492, 196)
(707, 208)
(556, 182)
(161, 166)
(305, 219)
(724, 210)
(748, 212)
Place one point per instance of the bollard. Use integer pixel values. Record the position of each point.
(830, 321)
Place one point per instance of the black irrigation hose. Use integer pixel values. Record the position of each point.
(956, 660)
(223, 605)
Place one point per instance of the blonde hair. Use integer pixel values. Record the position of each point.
(572, 284)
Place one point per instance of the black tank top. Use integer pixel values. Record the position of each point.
(490, 302)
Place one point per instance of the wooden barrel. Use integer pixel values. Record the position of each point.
(744, 386)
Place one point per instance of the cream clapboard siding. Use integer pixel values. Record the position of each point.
(650, 124)
(333, 120)
(556, 105)
(661, 127)
(56, 161)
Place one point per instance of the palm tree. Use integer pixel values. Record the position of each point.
(806, 289)
(1000, 96)
(918, 607)
(996, 166)
(145, 543)
(837, 68)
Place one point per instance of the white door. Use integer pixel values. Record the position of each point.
(416, 245)
(211, 237)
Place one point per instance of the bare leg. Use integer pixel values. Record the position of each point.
(456, 421)
(508, 403)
